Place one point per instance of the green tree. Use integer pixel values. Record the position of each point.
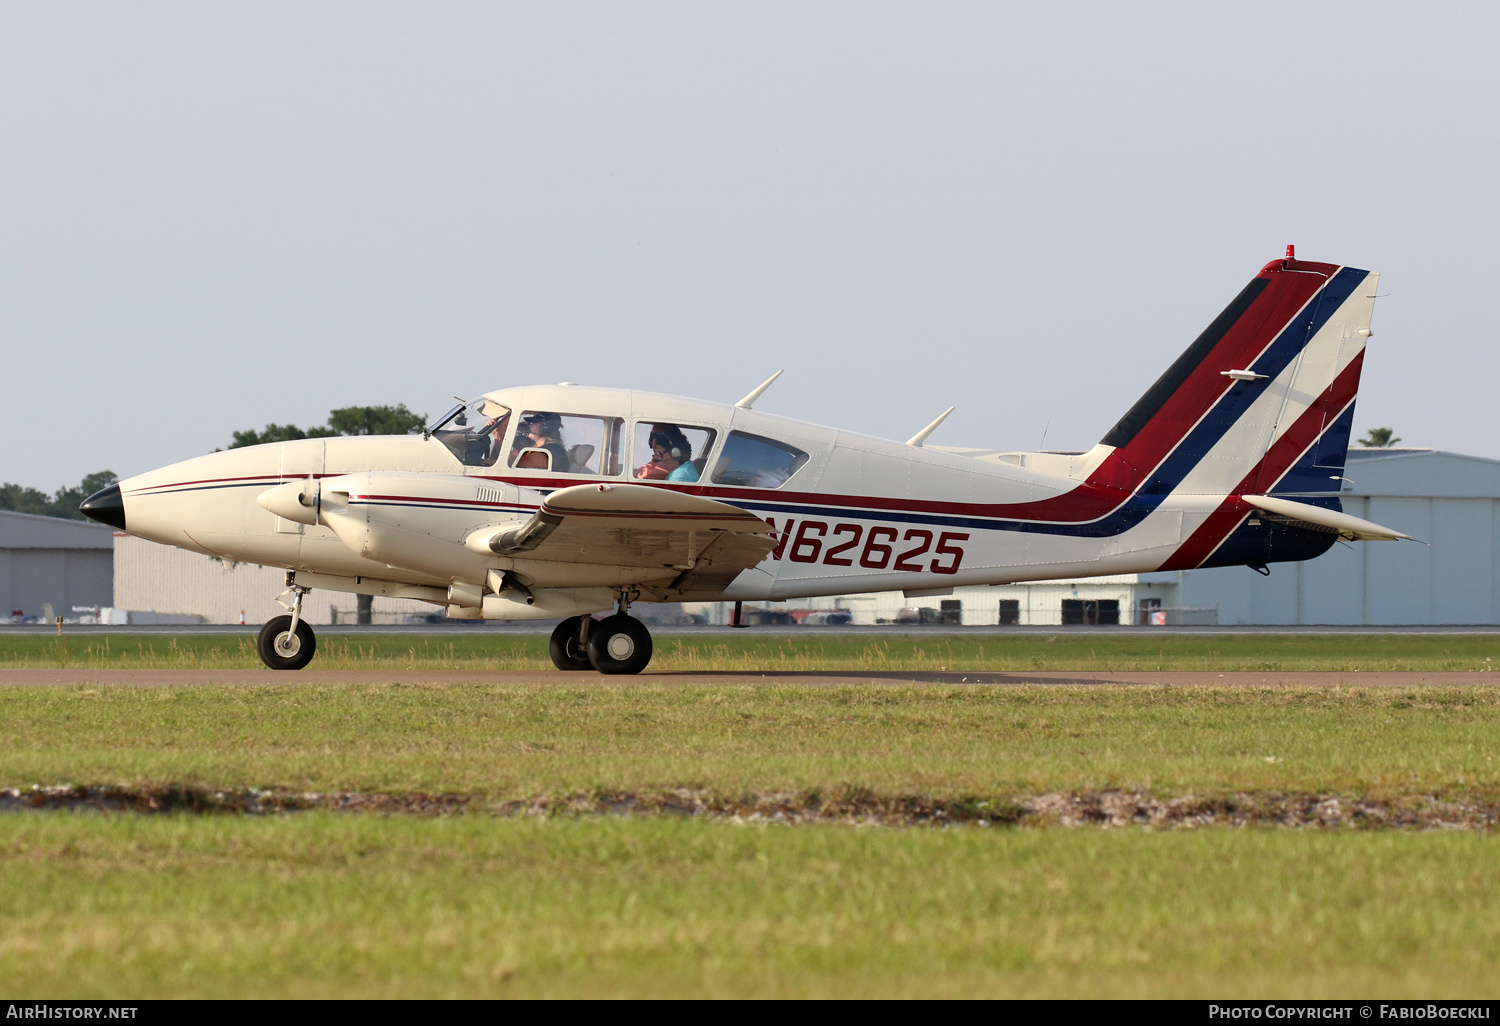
(20, 499)
(277, 433)
(1379, 438)
(376, 420)
(67, 500)
(349, 420)
(63, 503)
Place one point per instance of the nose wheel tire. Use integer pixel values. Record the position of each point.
(566, 652)
(283, 649)
(619, 644)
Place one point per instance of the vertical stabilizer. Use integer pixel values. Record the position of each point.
(1264, 395)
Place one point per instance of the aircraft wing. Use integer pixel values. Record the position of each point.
(697, 542)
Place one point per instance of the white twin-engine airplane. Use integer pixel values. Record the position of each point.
(564, 501)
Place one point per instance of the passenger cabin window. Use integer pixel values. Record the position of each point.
(577, 444)
(755, 462)
(670, 452)
(476, 433)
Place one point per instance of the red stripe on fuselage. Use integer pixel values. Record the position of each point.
(1281, 457)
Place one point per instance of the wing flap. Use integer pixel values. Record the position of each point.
(633, 526)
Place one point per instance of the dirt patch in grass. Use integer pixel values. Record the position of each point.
(854, 806)
(242, 801)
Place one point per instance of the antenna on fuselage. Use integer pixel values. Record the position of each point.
(921, 436)
(755, 394)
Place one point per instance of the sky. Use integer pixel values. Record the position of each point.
(216, 215)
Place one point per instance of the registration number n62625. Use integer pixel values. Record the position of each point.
(913, 549)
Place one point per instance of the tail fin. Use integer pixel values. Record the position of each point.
(1263, 400)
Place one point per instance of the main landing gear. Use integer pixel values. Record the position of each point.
(615, 644)
(287, 642)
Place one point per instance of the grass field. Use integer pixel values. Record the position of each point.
(483, 904)
(798, 653)
(320, 905)
(509, 741)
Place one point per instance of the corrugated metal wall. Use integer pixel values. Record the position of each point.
(63, 578)
(1448, 501)
(53, 561)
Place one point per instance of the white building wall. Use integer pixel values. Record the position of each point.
(163, 579)
(1039, 602)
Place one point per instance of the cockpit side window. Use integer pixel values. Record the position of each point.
(753, 461)
(578, 444)
(477, 434)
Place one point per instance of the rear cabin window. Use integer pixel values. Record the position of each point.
(670, 452)
(753, 461)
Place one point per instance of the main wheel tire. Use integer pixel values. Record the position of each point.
(566, 652)
(619, 644)
(281, 649)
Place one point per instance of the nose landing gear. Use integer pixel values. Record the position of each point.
(618, 644)
(287, 642)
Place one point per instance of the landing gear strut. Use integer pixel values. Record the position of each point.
(614, 645)
(287, 642)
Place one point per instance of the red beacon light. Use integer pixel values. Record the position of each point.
(1291, 251)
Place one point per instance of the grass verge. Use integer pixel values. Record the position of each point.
(796, 653)
(326, 906)
(501, 742)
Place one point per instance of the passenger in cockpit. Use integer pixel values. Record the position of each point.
(671, 456)
(541, 431)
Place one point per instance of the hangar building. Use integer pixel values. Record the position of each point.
(1447, 500)
(52, 562)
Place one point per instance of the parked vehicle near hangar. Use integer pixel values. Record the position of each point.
(553, 501)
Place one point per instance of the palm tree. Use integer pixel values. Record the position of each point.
(1379, 438)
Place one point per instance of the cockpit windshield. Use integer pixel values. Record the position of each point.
(476, 432)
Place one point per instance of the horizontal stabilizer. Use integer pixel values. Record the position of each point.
(1349, 527)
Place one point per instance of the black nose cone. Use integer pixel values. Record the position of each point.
(106, 506)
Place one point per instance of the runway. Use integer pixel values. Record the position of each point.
(830, 678)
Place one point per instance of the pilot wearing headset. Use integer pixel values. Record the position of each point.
(540, 431)
(671, 456)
